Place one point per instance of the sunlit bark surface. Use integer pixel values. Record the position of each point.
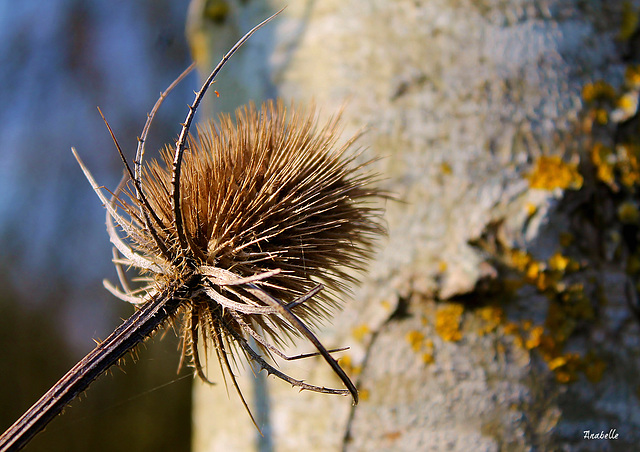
(499, 313)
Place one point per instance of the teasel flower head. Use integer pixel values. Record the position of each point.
(251, 217)
(238, 229)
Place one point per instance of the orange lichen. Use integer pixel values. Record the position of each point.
(534, 339)
(531, 209)
(445, 168)
(419, 343)
(552, 172)
(558, 262)
(628, 103)
(599, 90)
(448, 319)
(533, 271)
(519, 259)
(427, 358)
(632, 76)
(601, 116)
(566, 367)
(415, 339)
(557, 362)
(511, 328)
(628, 164)
(349, 367)
(493, 317)
(360, 331)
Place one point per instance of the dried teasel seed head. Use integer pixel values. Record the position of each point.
(271, 191)
(239, 229)
(248, 220)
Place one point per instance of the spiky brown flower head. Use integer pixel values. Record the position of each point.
(270, 192)
(241, 227)
(269, 210)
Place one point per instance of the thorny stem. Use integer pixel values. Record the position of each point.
(127, 336)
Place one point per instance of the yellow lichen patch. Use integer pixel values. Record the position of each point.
(628, 213)
(566, 367)
(347, 364)
(628, 103)
(557, 362)
(445, 168)
(448, 320)
(552, 172)
(558, 262)
(427, 358)
(364, 394)
(604, 160)
(535, 336)
(632, 76)
(511, 328)
(628, 164)
(601, 116)
(599, 90)
(520, 259)
(531, 209)
(533, 271)
(359, 332)
(442, 267)
(415, 339)
(493, 316)
(419, 343)
(545, 281)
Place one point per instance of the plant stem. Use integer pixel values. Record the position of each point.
(127, 336)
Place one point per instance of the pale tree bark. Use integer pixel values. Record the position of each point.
(499, 313)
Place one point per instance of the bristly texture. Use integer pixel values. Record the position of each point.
(273, 210)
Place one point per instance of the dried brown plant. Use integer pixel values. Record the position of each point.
(237, 230)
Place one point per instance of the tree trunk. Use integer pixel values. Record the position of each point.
(499, 314)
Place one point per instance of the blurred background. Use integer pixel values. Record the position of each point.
(59, 60)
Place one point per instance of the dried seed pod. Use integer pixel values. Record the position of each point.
(255, 217)
(269, 197)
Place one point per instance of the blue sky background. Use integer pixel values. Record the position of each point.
(59, 60)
